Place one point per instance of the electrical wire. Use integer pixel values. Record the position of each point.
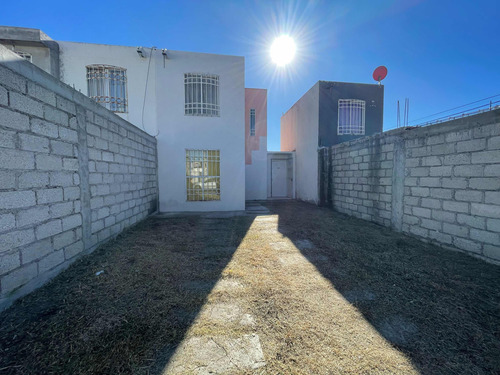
(451, 109)
(146, 88)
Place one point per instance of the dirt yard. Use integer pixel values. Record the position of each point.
(301, 290)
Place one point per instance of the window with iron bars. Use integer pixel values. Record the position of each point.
(203, 175)
(351, 117)
(107, 85)
(252, 121)
(201, 94)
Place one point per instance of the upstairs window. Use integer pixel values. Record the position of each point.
(25, 55)
(107, 85)
(351, 117)
(203, 175)
(201, 94)
(252, 121)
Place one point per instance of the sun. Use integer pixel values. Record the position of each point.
(283, 50)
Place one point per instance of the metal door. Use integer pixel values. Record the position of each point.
(278, 178)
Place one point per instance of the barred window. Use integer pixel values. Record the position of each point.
(25, 55)
(107, 85)
(201, 94)
(203, 175)
(252, 121)
(351, 116)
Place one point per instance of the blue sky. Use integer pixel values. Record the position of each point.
(440, 54)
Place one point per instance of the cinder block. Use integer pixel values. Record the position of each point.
(34, 179)
(494, 143)
(488, 183)
(61, 148)
(31, 216)
(431, 161)
(66, 105)
(25, 104)
(468, 170)
(73, 250)
(422, 232)
(7, 139)
(50, 261)
(440, 171)
(12, 80)
(486, 210)
(489, 157)
(71, 193)
(445, 216)
(435, 139)
(430, 181)
(63, 179)
(456, 230)
(70, 164)
(471, 221)
(59, 210)
(11, 240)
(419, 171)
(441, 193)
(4, 99)
(493, 225)
(41, 94)
(93, 130)
(467, 245)
(64, 239)
(45, 196)
(421, 212)
(56, 116)
(492, 197)
(97, 226)
(71, 222)
(16, 199)
(7, 222)
(7, 179)
(454, 183)
(34, 143)
(16, 159)
(472, 145)
(18, 278)
(485, 236)
(461, 135)
(9, 262)
(492, 170)
(440, 237)
(492, 252)
(420, 191)
(48, 229)
(68, 135)
(44, 128)
(431, 203)
(469, 195)
(431, 224)
(48, 162)
(456, 206)
(457, 159)
(36, 250)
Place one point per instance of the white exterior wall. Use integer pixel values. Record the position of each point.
(179, 132)
(256, 173)
(74, 57)
(164, 114)
(299, 133)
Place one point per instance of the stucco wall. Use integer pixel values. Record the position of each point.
(299, 133)
(440, 183)
(72, 176)
(256, 146)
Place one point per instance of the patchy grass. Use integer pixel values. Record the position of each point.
(325, 293)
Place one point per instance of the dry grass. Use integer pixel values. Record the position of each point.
(362, 300)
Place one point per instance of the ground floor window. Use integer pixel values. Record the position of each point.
(203, 175)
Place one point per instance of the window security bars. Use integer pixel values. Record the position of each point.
(107, 85)
(25, 55)
(351, 117)
(252, 121)
(201, 94)
(203, 175)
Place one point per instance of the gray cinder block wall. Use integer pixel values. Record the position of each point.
(440, 183)
(72, 176)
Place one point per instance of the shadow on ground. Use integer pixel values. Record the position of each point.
(440, 308)
(131, 317)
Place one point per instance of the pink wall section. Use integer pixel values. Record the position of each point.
(257, 99)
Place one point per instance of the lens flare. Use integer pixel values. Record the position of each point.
(283, 50)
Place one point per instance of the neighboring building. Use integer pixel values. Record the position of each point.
(194, 103)
(329, 113)
(256, 143)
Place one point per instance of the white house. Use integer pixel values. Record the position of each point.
(194, 103)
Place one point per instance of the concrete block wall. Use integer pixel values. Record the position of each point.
(440, 183)
(72, 176)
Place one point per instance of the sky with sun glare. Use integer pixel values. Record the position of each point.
(439, 53)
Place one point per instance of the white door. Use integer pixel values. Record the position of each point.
(278, 178)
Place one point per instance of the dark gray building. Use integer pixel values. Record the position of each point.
(327, 114)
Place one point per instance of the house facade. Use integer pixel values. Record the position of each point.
(328, 114)
(195, 104)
